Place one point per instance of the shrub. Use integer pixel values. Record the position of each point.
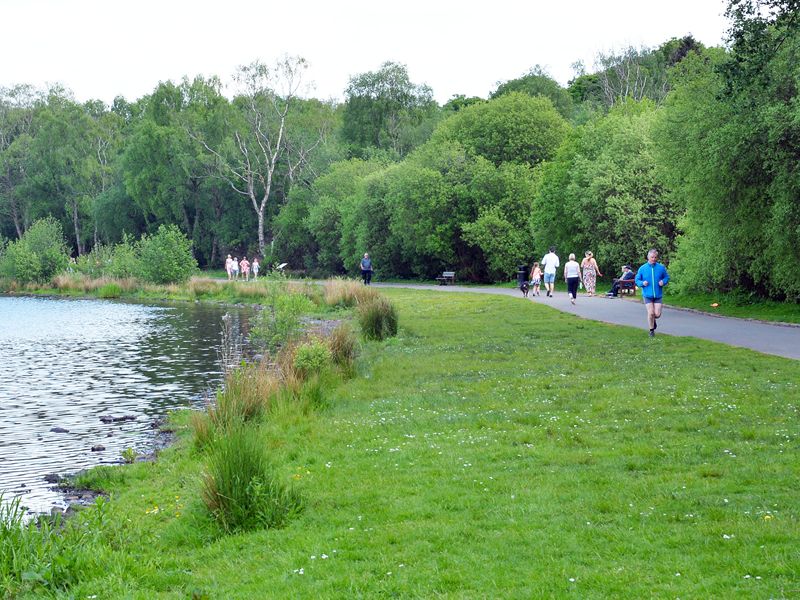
(38, 256)
(239, 487)
(166, 256)
(311, 358)
(378, 319)
(279, 321)
(343, 346)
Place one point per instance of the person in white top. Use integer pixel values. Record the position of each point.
(228, 263)
(550, 263)
(572, 274)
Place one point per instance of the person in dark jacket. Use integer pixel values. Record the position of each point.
(627, 275)
(651, 277)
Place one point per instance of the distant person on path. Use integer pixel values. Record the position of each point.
(229, 266)
(235, 268)
(255, 268)
(550, 263)
(536, 278)
(627, 275)
(244, 265)
(651, 277)
(366, 269)
(572, 274)
(590, 272)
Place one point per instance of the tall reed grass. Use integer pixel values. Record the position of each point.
(378, 319)
(240, 488)
(347, 292)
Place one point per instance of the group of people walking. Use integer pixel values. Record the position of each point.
(241, 268)
(651, 278)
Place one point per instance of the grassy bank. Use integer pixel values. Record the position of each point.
(495, 448)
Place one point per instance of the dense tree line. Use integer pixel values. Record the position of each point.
(689, 149)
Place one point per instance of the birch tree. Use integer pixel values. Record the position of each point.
(260, 139)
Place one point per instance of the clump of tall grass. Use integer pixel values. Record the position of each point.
(240, 488)
(202, 287)
(81, 283)
(344, 347)
(347, 292)
(245, 396)
(311, 291)
(109, 290)
(378, 319)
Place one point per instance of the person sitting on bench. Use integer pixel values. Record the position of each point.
(627, 275)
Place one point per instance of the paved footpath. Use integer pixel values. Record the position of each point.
(769, 338)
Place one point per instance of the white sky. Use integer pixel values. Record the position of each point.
(104, 48)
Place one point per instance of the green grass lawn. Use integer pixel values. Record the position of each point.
(497, 449)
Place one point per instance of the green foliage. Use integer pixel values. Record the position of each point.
(378, 319)
(110, 290)
(503, 244)
(312, 359)
(603, 192)
(279, 321)
(46, 556)
(166, 256)
(514, 127)
(385, 110)
(537, 82)
(38, 256)
(241, 489)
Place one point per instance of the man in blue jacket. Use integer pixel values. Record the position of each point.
(651, 277)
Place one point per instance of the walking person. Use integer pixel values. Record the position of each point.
(244, 267)
(235, 268)
(590, 272)
(536, 278)
(255, 268)
(228, 266)
(550, 263)
(366, 269)
(572, 274)
(651, 277)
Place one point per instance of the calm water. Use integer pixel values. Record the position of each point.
(66, 363)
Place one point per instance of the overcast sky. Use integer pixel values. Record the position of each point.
(104, 48)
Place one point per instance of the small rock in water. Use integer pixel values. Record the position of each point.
(107, 419)
(109, 434)
(53, 478)
(98, 448)
(124, 418)
(59, 430)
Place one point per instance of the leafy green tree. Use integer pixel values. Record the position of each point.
(512, 128)
(603, 191)
(385, 110)
(537, 82)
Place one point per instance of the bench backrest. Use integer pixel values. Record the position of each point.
(448, 273)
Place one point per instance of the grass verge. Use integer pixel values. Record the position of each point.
(496, 448)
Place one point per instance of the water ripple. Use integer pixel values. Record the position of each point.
(69, 362)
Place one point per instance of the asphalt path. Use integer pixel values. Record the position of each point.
(769, 338)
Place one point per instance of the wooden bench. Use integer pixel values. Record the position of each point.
(626, 287)
(447, 277)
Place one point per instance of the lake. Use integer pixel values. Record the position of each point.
(67, 363)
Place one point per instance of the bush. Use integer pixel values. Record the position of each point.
(378, 319)
(279, 321)
(38, 256)
(239, 487)
(311, 359)
(166, 257)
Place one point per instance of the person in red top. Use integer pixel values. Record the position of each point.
(244, 266)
